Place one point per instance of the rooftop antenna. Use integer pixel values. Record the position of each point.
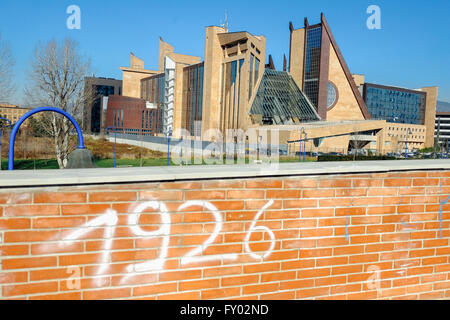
(225, 24)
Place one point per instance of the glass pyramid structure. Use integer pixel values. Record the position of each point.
(279, 101)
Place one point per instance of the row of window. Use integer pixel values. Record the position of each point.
(118, 118)
(395, 106)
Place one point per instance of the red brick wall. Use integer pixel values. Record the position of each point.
(132, 113)
(344, 237)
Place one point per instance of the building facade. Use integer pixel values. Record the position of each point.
(233, 88)
(96, 89)
(405, 110)
(12, 112)
(442, 127)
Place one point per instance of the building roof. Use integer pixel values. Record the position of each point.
(279, 98)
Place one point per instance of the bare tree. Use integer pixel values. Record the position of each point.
(56, 79)
(7, 87)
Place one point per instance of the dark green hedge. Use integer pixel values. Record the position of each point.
(328, 158)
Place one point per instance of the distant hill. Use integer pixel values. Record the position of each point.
(443, 106)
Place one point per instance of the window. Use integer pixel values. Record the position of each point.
(250, 87)
(312, 65)
(332, 95)
(256, 70)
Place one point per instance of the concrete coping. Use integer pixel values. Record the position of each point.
(73, 177)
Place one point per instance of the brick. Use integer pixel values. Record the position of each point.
(323, 193)
(299, 204)
(397, 182)
(155, 289)
(60, 197)
(278, 276)
(69, 296)
(239, 280)
(335, 183)
(223, 184)
(425, 182)
(317, 232)
(28, 263)
(29, 288)
(32, 210)
(313, 273)
(84, 209)
(161, 195)
(107, 294)
(262, 288)
(283, 194)
(310, 293)
(262, 267)
(49, 223)
(300, 184)
(364, 239)
(411, 209)
(30, 236)
(184, 185)
(12, 223)
(221, 293)
(191, 296)
(379, 247)
(112, 196)
(79, 259)
(342, 212)
(351, 192)
(345, 289)
(365, 183)
(222, 271)
(377, 192)
(13, 277)
(264, 184)
(15, 198)
(278, 296)
(314, 253)
(257, 205)
(325, 262)
(335, 202)
(246, 194)
(298, 264)
(316, 213)
(328, 281)
(346, 269)
(432, 295)
(14, 250)
(180, 275)
(381, 210)
(297, 284)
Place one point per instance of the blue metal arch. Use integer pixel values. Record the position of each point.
(14, 131)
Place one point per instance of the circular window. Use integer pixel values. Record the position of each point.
(332, 95)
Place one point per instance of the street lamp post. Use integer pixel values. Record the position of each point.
(302, 132)
(406, 145)
(447, 148)
(1, 133)
(12, 138)
(115, 143)
(169, 134)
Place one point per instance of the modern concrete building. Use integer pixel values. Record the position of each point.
(233, 88)
(442, 127)
(96, 89)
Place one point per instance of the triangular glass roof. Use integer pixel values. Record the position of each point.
(280, 101)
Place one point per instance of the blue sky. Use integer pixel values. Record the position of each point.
(411, 50)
